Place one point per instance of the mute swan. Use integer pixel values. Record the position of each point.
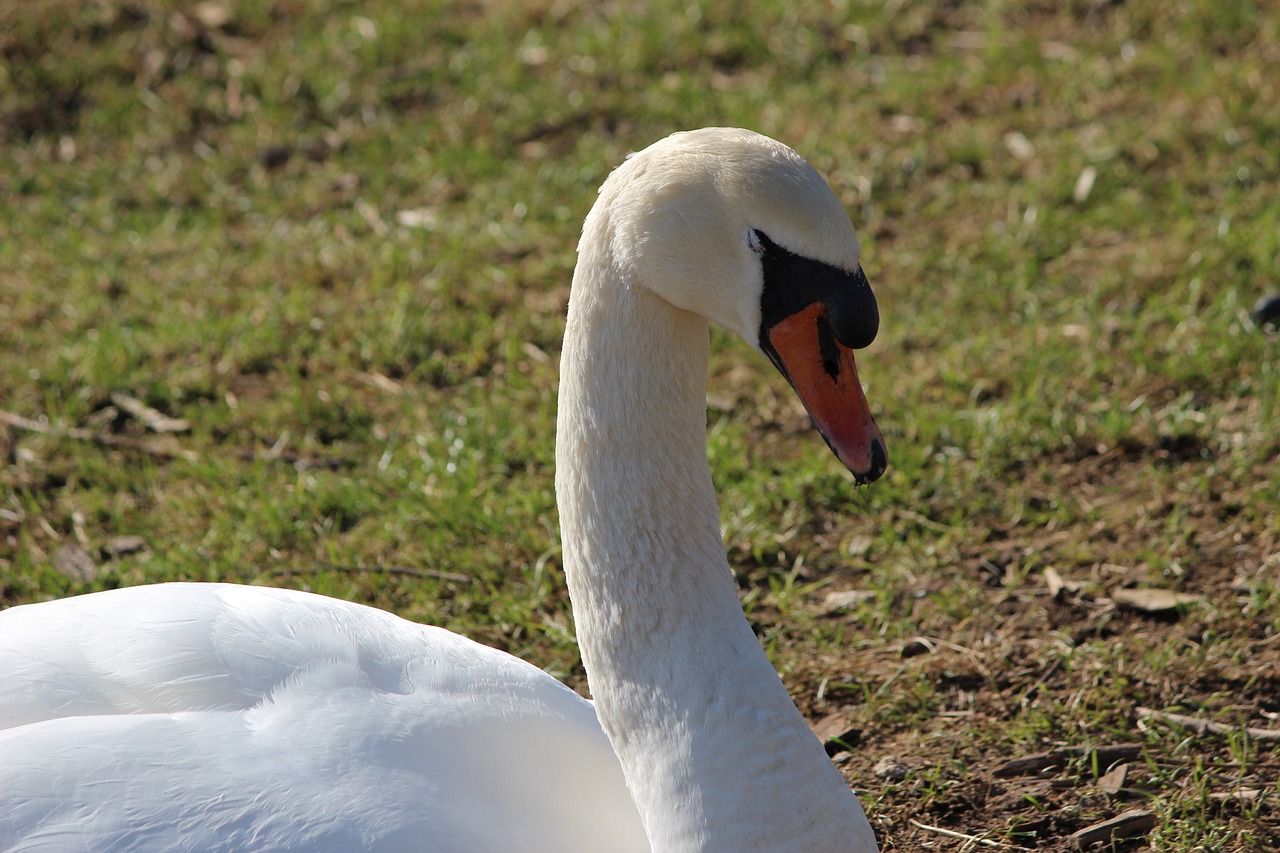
(217, 717)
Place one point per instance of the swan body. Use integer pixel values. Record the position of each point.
(220, 717)
(216, 717)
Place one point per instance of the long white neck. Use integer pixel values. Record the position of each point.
(714, 751)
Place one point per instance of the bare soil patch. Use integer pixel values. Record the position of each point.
(1069, 668)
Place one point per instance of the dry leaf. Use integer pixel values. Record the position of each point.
(1055, 583)
(858, 545)
(1128, 825)
(1149, 600)
(836, 732)
(1112, 783)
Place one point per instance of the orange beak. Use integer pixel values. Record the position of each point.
(823, 374)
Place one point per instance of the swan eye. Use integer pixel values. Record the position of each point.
(754, 242)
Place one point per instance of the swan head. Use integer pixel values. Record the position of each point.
(738, 228)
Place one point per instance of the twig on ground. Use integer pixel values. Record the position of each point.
(919, 645)
(301, 463)
(1104, 757)
(101, 438)
(930, 642)
(381, 570)
(924, 521)
(1204, 727)
(1029, 694)
(152, 419)
(972, 839)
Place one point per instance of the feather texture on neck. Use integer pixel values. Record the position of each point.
(714, 751)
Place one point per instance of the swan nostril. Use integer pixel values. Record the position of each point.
(827, 346)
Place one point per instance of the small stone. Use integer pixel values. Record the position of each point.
(890, 768)
(123, 546)
(1084, 185)
(1019, 146)
(212, 15)
(74, 562)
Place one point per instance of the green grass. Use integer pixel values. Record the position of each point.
(337, 239)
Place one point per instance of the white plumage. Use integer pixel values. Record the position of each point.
(220, 717)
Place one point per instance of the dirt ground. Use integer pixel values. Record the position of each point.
(1059, 647)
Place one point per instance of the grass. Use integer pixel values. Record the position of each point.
(337, 239)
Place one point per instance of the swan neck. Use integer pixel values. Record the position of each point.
(686, 695)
